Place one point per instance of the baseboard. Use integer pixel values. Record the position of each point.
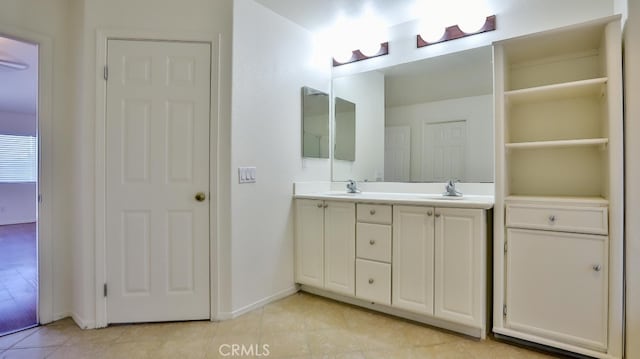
(261, 303)
(82, 323)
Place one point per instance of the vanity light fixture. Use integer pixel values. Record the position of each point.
(455, 32)
(360, 54)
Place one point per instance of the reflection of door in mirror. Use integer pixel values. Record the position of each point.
(397, 154)
(444, 151)
(315, 123)
(345, 120)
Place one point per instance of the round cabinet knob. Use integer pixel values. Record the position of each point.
(370, 280)
(372, 212)
(429, 213)
(319, 205)
(372, 241)
(552, 218)
(326, 205)
(597, 267)
(200, 196)
(437, 215)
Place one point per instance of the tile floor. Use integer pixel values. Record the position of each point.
(18, 276)
(299, 326)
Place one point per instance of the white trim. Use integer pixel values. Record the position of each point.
(102, 36)
(259, 304)
(45, 162)
(80, 321)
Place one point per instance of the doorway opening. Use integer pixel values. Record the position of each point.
(18, 185)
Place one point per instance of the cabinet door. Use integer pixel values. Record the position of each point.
(309, 242)
(460, 250)
(557, 286)
(412, 267)
(340, 247)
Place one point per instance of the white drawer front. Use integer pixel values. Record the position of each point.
(373, 281)
(373, 241)
(374, 213)
(558, 218)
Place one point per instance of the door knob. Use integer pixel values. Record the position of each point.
(200, 196)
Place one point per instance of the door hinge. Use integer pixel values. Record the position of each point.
(106, 72)
(39, 198)
(104, 290)
(504, 310)
(505, 246)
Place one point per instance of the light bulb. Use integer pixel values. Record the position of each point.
(472, 23)
(432, 31)
(343, 56)
(370, 48)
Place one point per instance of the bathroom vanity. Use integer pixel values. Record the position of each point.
(417, 256)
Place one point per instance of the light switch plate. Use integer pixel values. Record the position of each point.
(246, 174)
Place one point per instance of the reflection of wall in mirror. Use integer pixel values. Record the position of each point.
(315, 140)
(366, 90)
(345, 124)
(478, 113)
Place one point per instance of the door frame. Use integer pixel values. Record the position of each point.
(102, 38)
(45, 310)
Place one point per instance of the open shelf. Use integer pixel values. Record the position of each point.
(558, 144)
(582, 88)
(589, 201)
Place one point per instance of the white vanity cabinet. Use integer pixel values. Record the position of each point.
(460, 265)
(421, 262)
(325, 245)
(413, 257)
(439, 262)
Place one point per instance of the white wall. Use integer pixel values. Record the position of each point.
(17, 203)
(273, 59)
(20, 124)
(477, 111)
(514, 18)
(366, 90)
(632, 178)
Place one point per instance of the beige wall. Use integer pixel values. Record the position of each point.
(632, 176)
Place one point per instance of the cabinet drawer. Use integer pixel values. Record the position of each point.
(373, 281)
(374, 213)
(373, 241)
(558, 218)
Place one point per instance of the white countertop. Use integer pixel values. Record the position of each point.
(421, 199)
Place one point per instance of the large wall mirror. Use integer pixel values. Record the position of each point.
(425, 121)
(315, 123)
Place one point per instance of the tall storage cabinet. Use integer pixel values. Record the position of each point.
(559, 188)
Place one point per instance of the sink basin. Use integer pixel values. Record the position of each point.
(443, 197)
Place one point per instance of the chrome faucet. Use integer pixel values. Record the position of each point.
(450, 189)
(352, 186)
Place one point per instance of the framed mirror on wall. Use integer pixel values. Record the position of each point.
(315, 123)
(425, 121)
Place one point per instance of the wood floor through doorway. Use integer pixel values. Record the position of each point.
(18, 277)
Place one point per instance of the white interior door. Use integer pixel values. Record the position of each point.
(397, 153)
(157, 233)
(444, 151)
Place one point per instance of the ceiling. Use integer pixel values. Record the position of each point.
(19, 89)
(318, 15)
